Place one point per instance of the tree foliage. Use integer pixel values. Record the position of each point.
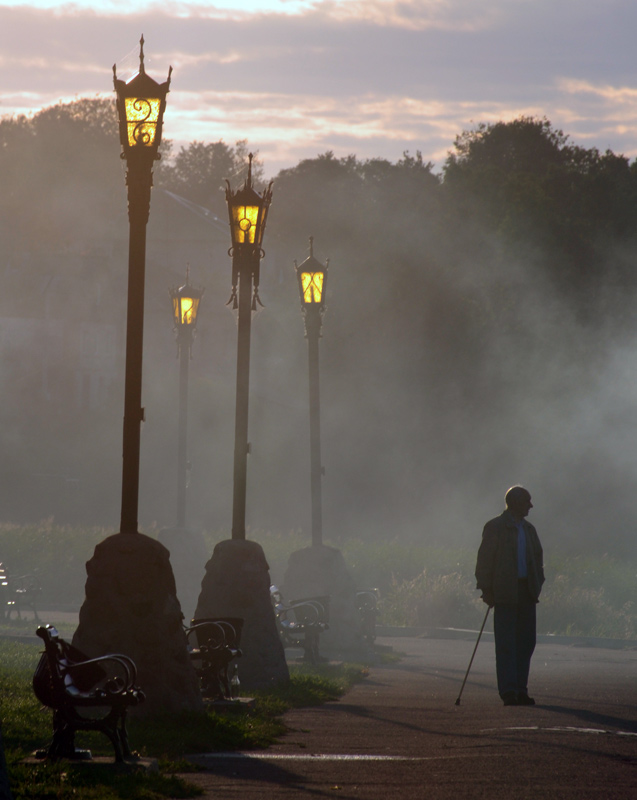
(199, 172)
(57, 170)
(527, 184)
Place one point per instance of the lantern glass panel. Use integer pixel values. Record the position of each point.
(245, 220)
(142, 116)
(188, 310)
(312, 286)
(185, 310)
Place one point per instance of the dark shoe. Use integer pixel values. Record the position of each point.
(510, 699)
(525, 700)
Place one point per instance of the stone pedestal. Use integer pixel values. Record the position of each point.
(188, 556)
(131, 607)
(321, 570)
(237, 584)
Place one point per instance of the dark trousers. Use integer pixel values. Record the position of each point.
(514, 632)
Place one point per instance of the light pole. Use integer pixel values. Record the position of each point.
(186, 301)
(321, 570)
(141, 103)
(312, 280)
(248, 211)
(131, 604)
(237, 580)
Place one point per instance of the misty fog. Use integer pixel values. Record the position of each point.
(456, 360)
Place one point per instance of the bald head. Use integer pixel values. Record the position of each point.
(518, 501)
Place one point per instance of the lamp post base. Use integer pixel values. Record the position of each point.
(131, 607)
(321, 570)
(237, 584)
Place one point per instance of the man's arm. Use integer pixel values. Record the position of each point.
(485, 564)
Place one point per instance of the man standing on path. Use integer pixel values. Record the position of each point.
(510, 574)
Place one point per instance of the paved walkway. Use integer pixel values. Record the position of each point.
(399, 734)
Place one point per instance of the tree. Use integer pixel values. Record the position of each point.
(199, 171)
(525, 144)
(59, 174)
(523, 186)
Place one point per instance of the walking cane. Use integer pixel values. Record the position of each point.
(484, 622)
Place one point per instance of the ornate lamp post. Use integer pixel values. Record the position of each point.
(131, 604)
(186, 301)
(141, 103)
(248, 211)
(321, 570)
(237, 579)
(312, 279)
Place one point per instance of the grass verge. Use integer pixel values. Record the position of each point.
(26, 727)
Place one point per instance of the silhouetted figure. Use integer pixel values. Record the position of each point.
(510, 574)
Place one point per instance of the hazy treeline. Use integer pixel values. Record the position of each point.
(479, 332)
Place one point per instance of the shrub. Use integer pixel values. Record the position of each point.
(432, 601)
(569, 608)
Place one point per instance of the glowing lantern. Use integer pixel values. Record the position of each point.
(312, 287)
(141, 103)
(312, 277)
(248, 211)
(185, 306)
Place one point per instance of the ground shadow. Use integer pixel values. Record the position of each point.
(593, 718)
(243, 767)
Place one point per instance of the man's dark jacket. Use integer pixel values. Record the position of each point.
(497, 567)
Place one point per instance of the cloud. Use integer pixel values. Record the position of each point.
(372, 78)
(623, 95)
(417, 15)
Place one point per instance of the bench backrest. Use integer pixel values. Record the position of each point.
(311, 610)
(218, 632)
(57, 670)
(367, 599)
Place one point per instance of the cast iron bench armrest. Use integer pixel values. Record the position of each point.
(113, 686)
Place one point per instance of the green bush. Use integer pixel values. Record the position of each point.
(572, 609)
(432, 601)
(429, 587)
(420, 585)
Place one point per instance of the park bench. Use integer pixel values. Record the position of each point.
(301, 622)
(68, 682)
(367, 603)
(213, 645)
(17, 594)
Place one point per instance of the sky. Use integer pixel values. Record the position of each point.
(373, 78)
